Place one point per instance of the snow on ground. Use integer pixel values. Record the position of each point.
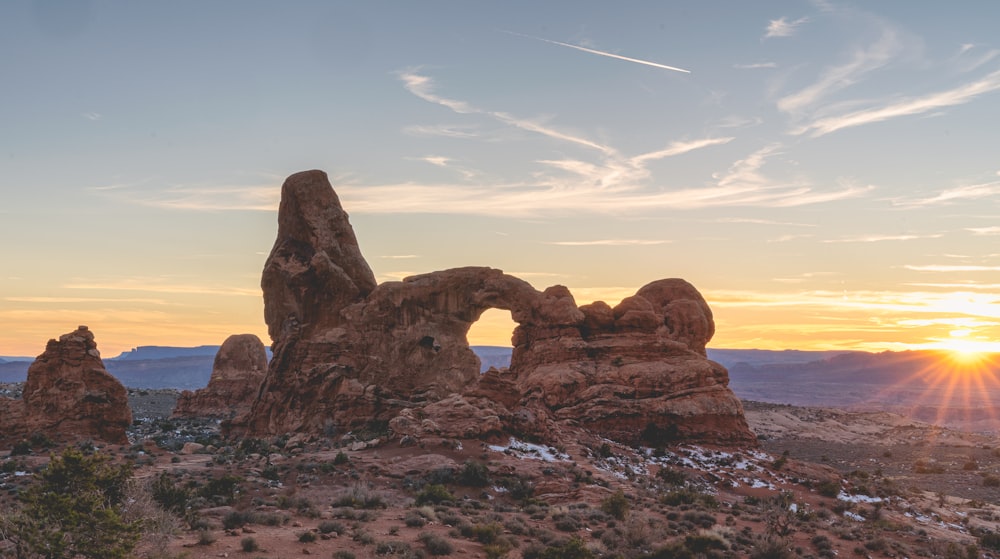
(531, 451)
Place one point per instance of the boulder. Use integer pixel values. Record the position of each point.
(69, 395)
(237, 373)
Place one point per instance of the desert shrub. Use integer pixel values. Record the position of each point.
(672, 476)
(221, 491)
(436, 545)
(359, 496)
(40, 440)
(573, 548)
(687, 496)
(249, 544)
(21, 448)
(703, 543)
(75, 509)
(822, 542)
(674, 550)
(168, 494)
(329, 527)
(392, 548)
(205, 537)
(518, 488)
(828, 488)
(235, 519)
(414, 520)
(341, 458)
(991, 481)
(497, 550)
(307, 537)
(616, 505)
(434, 494)
(343, 554)
(474, 474)
(771, 548)
(990, 540)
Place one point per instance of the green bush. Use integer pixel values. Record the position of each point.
(328, 527)
(616, 505)
(221, 491)
(990, 540)
(474, 474)
(829, 488)
(249, 544)
(21, 448)
(75, 509)
(307, 537)
(168, 494)
(434, 494)
(570, 549)
(436, 545)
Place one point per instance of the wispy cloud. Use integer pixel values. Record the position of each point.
(436, 160)
(610, 242)
(956, 194)
(971, 57)
(82, 300)
(679, 148)
(160, 285)
(599, 179)
(400, 256)
(603, 53)
(845, 75)
(762, 222)
(755, 66)
(882, 238)
(441, 130)
(905, 107)
(994, 230)
(951, 268)
(92, 116)
(196, 197)
(782, 27)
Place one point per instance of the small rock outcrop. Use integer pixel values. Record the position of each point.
(69, 395)
(238, 370)
(348, 351)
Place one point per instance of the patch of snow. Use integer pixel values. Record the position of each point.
(858, 498)
(853, 516)
(522, 449)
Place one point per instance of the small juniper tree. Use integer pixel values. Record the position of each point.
(74, 509)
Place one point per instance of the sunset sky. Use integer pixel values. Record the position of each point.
(825, 173)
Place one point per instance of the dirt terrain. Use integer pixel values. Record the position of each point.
(849, 486)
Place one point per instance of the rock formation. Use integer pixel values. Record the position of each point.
(348, 351)
(68, 395)
(237, 372)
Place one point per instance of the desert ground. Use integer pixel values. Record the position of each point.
(822, 483)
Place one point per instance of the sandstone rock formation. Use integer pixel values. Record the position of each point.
(239, 368)
(348, 351)
(68, 395)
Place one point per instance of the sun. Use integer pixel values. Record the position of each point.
(968, 353)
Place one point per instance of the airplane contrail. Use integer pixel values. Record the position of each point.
(602, 53)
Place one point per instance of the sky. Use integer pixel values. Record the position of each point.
(825, 173)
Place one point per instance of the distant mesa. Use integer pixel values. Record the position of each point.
(239, 368)
(68, 395)
(349, 351)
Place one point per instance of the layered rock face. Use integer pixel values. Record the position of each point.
(348, 351)
(237, 373)
(69, 394)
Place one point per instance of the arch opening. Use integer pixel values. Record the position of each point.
(491, 338)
